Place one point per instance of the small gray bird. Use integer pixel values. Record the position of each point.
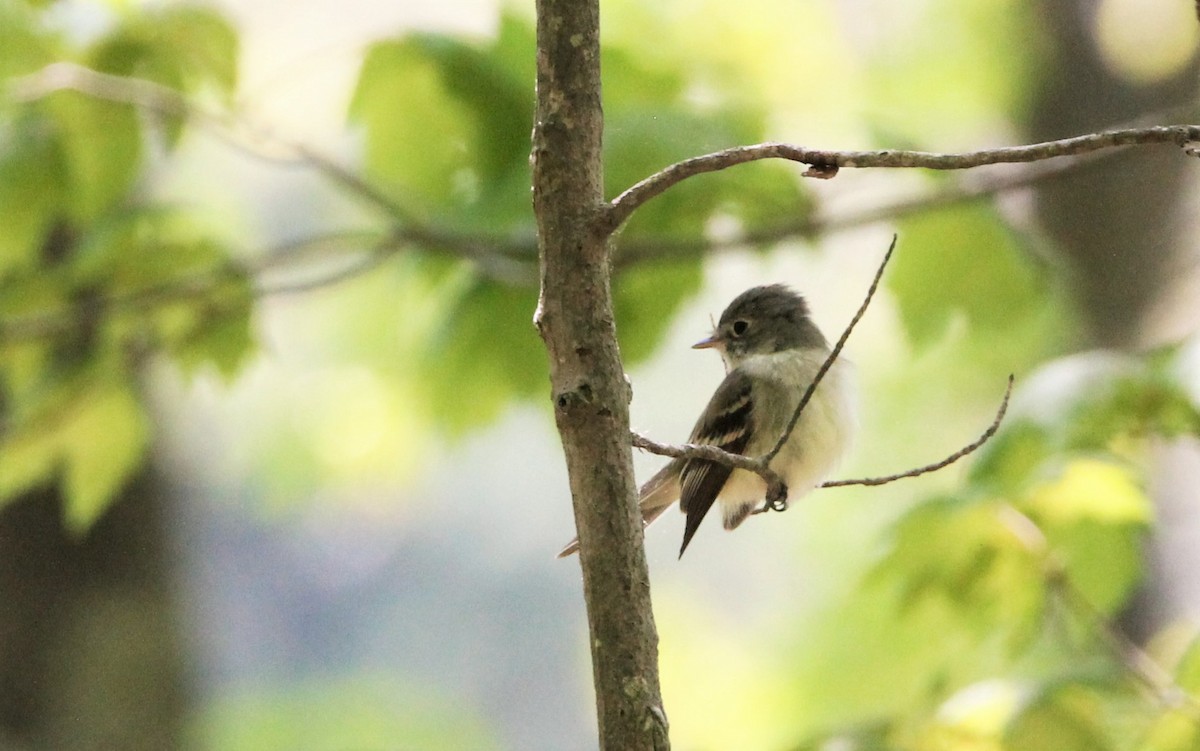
(772, 351)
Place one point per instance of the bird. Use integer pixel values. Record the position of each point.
(772, 350)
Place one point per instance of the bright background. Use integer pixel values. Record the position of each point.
(354, 574)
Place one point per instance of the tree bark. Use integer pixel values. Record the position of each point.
(591, 396)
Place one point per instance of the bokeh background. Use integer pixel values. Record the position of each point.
(342, 535)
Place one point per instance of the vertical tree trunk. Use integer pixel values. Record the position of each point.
(90, 657)
(1118, 223)
(591, 396)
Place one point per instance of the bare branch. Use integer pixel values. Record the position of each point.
(825, 163)
(506, 258)
(709, 453)
(364, 263)
(371, 249)
(964, 451)
(234, 130)
(777, 495)
(776, 488)
(261, 144)
(640, 250)
(1134, 660)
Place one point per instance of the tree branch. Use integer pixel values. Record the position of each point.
(777, 494)
(964, 451)
(507, 259)
(708, 453)
(372, 249)
(826, 163)
(257, 142)
(635, 251)
(759, 466)
(1134, 660)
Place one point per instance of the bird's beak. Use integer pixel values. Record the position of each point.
(709, 342)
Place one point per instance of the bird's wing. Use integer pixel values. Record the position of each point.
(727, 423)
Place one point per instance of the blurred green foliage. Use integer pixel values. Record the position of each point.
(982, 623)
(447, 124)
(94, 275)
(367, 712)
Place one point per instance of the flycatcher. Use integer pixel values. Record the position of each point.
(772, 351)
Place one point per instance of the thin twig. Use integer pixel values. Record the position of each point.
(374, 251)
(252, 140)
(1143, 668)
(965, 450)
(359, 266)
(824, 163)
(634, 251)
(707, 452)
(777, 494)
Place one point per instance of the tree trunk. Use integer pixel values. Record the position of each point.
(591, 396)
(90, 658)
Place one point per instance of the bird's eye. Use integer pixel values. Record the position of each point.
(739, 327)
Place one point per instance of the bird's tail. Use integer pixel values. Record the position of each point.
(655, 497)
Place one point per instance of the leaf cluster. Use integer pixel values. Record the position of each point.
(1032, 562)
(94, 275)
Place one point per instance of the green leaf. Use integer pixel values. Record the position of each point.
(421, 135)
(963, 263)
(650, 123)
(26, 460)
(1178, 730)
(1068, 717)
(484, 353)
(500, 105)
(1174, 731)
(1144, 404)
(1092, 490)
(182, 293)
(185, 47)
(1095, 518)
(102, 147)
(201, 39)
(965, 553)
(180, 45)
(221, 334)
(645, 300)
(24, 45)
(1010, 461)
(447, 125)
(31, 193)
(1187, 671)
(102, 443)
